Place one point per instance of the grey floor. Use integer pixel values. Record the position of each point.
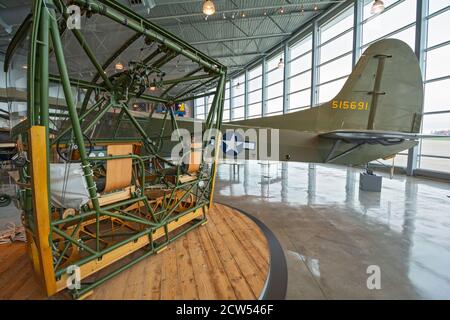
(9, 213)
(332, 232)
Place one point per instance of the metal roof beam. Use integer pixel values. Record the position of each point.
(247, 9)
(262, 36)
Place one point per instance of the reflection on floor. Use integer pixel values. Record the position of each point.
(332, 232)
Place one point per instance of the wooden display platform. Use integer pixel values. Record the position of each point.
(227, 258)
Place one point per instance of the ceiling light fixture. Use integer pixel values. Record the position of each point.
(119, 66)
(25, 67)
(316, 7)
(281, 64)
(282, 10)
(152, 86)
(377, 7)
(243, 14)
(208, 7)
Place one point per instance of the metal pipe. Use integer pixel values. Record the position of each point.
(106, 65)
(31, 71)
(59, 53)
(91, 212)
(173, 85)
(138, 26)
(81, 119)
(98, 117)
(149, 142)
(83, 43)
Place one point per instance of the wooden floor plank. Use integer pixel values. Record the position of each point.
(238, 281)
(255, 248)
(227, 258)
(186, 279)
(220, 278)
(242, 260)
(202, 271)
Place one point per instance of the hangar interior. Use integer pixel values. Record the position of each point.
(283, 228)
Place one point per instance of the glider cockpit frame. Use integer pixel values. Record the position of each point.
(164, 200)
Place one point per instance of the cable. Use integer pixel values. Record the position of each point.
(12, 234)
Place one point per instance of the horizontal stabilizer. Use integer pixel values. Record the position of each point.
(374, 137)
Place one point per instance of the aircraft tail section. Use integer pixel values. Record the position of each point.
(384, 93)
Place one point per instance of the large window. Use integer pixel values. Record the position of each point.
(435, 153)
(334, 40)
(335, 54)
(238, 97)
(275, 85)
(396, 21)
(300, 65)
(226, 103)
(255, 92)
(199, 108)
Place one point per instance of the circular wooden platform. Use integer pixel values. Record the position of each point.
(228, 258)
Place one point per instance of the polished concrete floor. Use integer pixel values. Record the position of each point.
(332, 232)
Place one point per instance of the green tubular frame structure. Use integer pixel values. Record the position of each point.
(45, 43)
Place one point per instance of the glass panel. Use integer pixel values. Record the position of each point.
(239, 85)
(226, 115)
(436, 147)
(299, 82)
(238, 113)
(400, 160)
(18, 112)
(328, 91)
(254, 109)
(435, 164)
(436, 5)
(342, 22)
(255, 72)
(255, 84)
(238, 101)
(436, 123)
(368, 6)
(439, 29)
(273, 63)
(275, 105)
(301, 47)
(255, 96)
(335, 69)
(300, 99)
(437, 63)
(437, 96)
(389, 20)
(275, 91)
(336, 47)
(408, 36)
(301, 64)
(275, 76)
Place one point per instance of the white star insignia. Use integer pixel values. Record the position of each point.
(232, 144)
